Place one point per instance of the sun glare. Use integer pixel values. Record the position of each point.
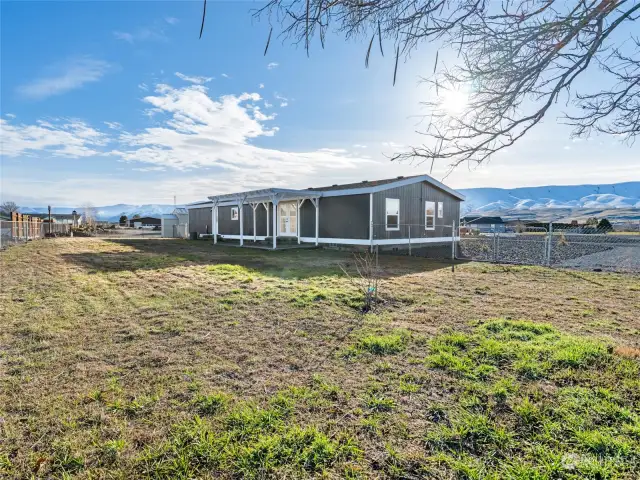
(454, 102)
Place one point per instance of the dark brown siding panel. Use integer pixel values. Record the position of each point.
(308, 219)
(344, 217)
(200, 220)
(226, 226)
(412, 203)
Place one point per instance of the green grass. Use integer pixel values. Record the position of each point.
(175, 359)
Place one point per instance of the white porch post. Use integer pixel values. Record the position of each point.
(254, 206)
(266, 207)
(240, 207)
(371, 221)
(298, 205)
(275, 221)
(214, 221)
(316, 203)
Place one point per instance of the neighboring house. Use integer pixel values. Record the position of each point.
(402, 210)
(175, 224)
(483, 224)
(145, 222)
(63, 218)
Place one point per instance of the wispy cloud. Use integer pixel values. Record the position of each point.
(60, 138)
(114, 125)
(194, 79)
(225, 75)
(152, 33)
(143, 86)
(272, 65)
(261, 85)
(65, 76)
(284, 101)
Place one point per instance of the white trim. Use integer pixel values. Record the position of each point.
(201, 205)
(396, 241)
(435, 206)
(237, 207)
(237, 237)
(440, 209)
(386, 214)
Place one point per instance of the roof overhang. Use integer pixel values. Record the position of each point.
(264, 195)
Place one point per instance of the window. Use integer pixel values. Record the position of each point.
(392, 214)
(429, 215)
(234, 213)
(440, 209)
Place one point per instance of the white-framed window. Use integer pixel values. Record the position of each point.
(429, 215)
(392, 217)
(440, 209)
(234, 213)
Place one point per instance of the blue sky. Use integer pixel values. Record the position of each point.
(119, 102)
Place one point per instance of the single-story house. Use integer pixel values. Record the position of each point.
(175, 224)
(483, 224)
(145, 222)
(402, 210)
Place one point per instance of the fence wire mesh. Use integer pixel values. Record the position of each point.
(585, 248)
(437, 241)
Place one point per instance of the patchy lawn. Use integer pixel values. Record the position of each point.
(175, 359)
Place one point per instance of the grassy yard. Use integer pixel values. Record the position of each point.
(175, 359)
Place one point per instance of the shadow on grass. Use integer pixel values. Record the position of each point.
(284, 264)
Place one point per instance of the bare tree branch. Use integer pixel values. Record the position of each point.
(515, 61)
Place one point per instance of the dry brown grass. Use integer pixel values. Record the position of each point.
(105, 344)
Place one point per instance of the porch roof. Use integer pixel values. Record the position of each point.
(264, 195)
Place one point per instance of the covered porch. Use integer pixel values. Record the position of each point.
(282, 219)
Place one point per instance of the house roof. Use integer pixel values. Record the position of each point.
(480, 220)
(180, 211)
(363, 184)
(333, 190)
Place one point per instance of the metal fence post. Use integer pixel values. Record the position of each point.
(453, 241)
(495, 246)
(550, 240)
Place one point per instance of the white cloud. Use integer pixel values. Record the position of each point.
(225, 75)
(65, 76)
(267, 104)
(143, 34)
(284, 101)
(272, 65)
(171, 20)
(392, 145)
(143, 86)
(114, 125)
(62, 138)
(194, 79)
(356, 145)
(261, 85)
(200, 131)
(9, 115)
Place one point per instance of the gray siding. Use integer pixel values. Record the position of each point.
(340, 217)
(412, 208)
(226, 226)
(200, 220)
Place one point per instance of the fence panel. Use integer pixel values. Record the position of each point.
(583, 248)
(414, 239)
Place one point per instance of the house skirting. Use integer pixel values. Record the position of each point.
(392, 241)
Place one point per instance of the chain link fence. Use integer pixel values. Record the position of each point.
(437, 241)
(585, 248)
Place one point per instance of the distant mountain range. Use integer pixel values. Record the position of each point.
(619, 201)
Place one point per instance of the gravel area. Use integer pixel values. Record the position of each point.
(588, 252)
(616, 259)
